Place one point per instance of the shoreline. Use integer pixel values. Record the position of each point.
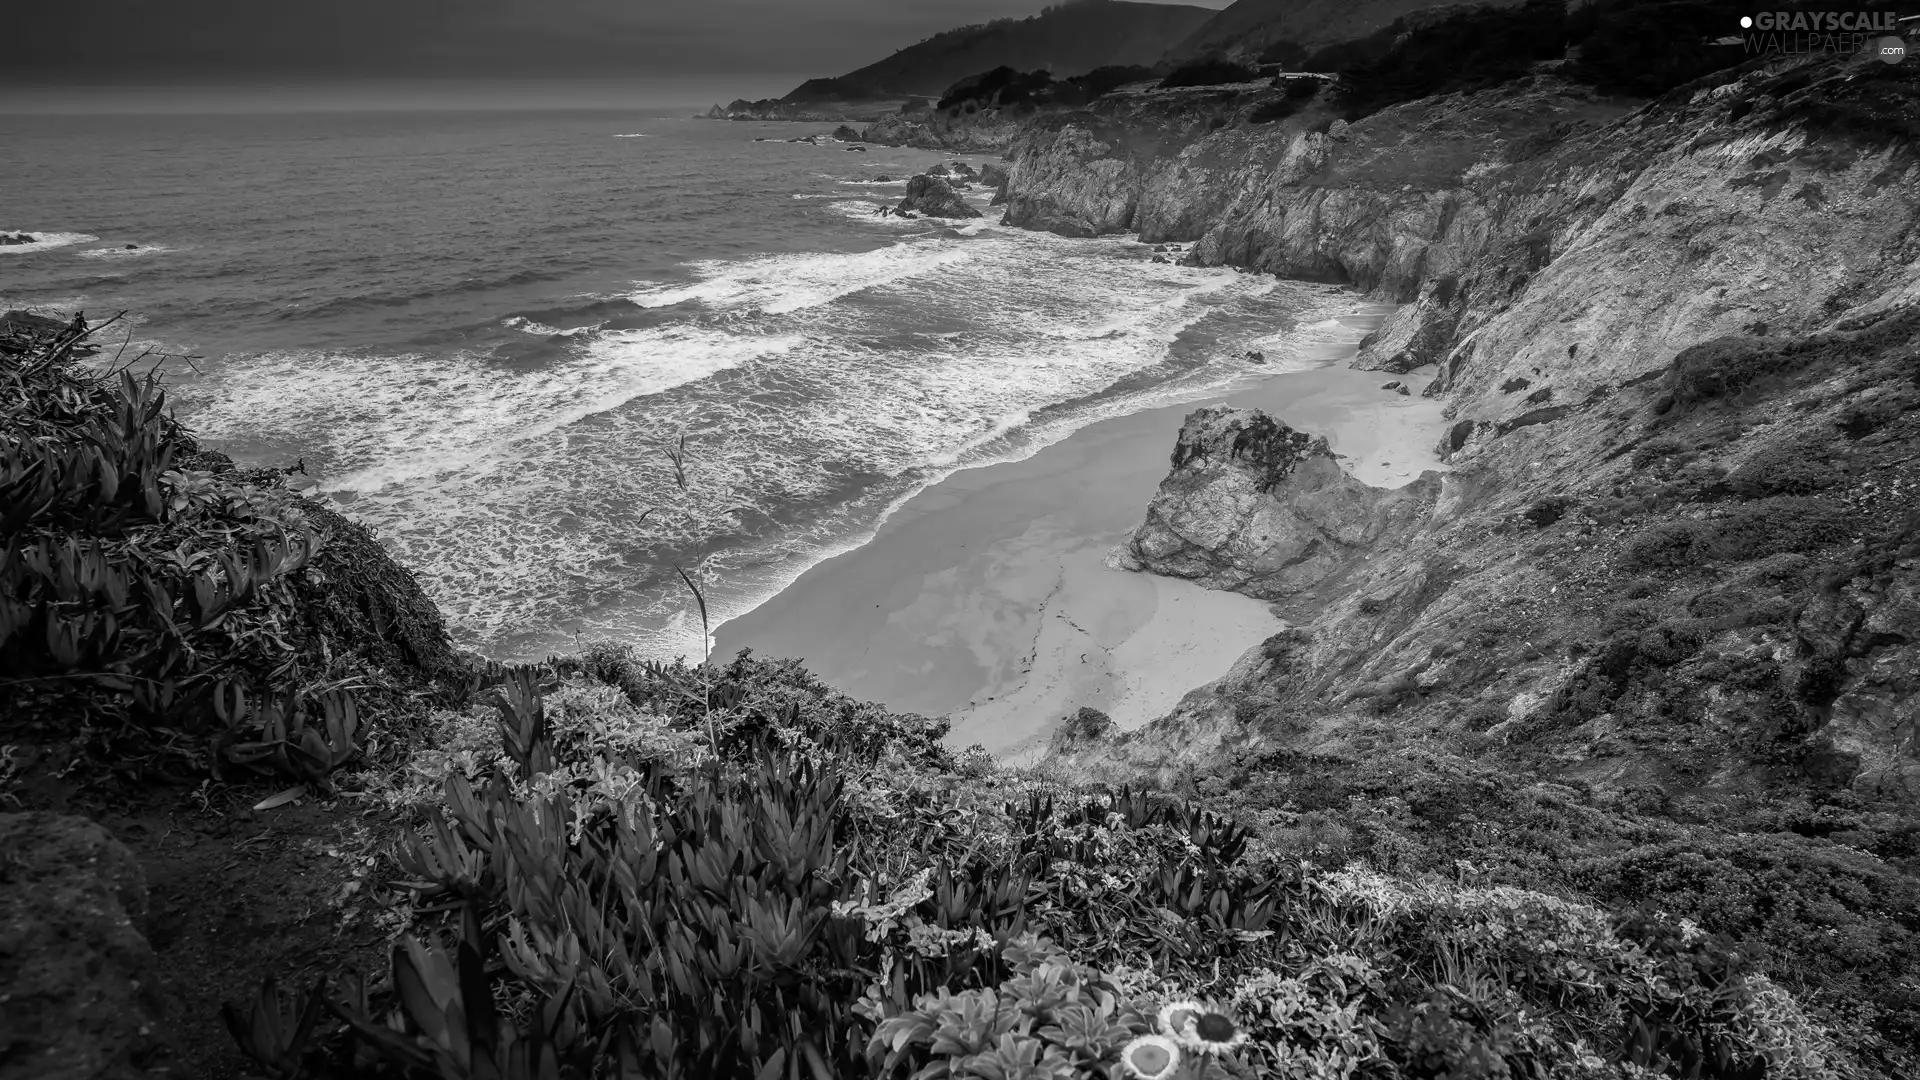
(984, 597)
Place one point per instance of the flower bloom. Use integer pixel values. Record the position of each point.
(1214, 1033)
(1176, 1015)
(1151, 1057)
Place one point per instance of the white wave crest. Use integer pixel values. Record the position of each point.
(44, 241)
(116, 253)
(384, 420)
(780, 284)
(540, 329)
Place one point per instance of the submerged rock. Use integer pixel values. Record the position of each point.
(1255, 506)
(934, 197)
(18, 238)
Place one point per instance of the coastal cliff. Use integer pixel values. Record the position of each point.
(1557, 286)
(1668, 586)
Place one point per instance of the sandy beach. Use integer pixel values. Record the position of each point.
(984, 598)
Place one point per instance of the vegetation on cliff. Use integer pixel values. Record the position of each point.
(1655, 649)
(1067, 39)
(632, 869)
(171, 610)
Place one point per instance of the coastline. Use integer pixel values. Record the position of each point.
(984, 598)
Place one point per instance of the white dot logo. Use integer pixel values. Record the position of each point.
(1746, 22)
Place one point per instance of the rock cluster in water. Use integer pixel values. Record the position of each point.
(934, 197)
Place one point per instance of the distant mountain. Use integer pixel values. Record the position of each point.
(1069, 39)
(1250, 26)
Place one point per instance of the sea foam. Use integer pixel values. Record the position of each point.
(46, 241)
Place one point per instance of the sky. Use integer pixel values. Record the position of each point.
(81, 42)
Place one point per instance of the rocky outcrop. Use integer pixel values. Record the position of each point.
(934, 197)
(847, 134)
(1084, 728)
(18, 238)
(1724, 208)
(936, 131)
(1255, 506)
(1386, 204)
(79, 985)
(827, 112)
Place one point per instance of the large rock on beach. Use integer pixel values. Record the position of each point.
(80, 991)
(934, 197)
(1254, 506)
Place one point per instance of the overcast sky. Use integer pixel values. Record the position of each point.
(79, 41)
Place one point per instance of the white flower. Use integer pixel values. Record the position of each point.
(1151, 1057)
(1213, 1033)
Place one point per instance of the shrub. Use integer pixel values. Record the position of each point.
(1617, 58)
(1271, 111)
(1104, 80)
(1002, 87)
(1209, 71)
(1763, 527)
(1784, 470)
(1475, 48)
(153, 603)
(1545, 511)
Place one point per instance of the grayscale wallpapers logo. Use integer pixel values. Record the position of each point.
(1879, 33)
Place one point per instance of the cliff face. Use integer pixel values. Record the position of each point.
(935, 131)
(1678, 542)
(1402, 196)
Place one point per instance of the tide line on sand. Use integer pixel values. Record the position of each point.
(984, 598)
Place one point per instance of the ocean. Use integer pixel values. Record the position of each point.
(486, 332)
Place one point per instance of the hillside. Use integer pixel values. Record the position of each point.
(1070, 39)
(1249, 26)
